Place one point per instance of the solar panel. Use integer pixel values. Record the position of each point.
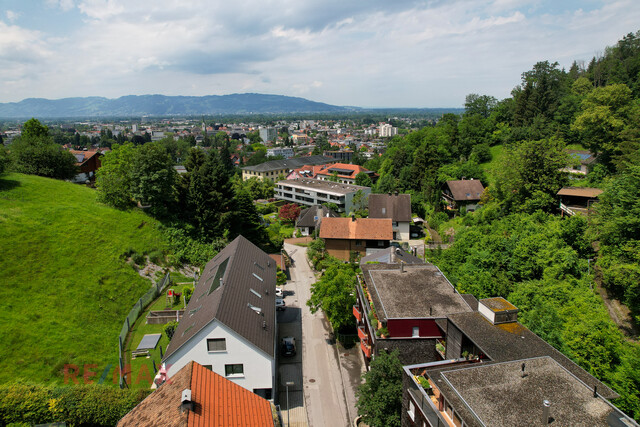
(79, 158)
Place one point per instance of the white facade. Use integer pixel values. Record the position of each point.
(401, 230)
(268, 134)
(258, 367)
(311, 195)
(286, 152)
(386, 130)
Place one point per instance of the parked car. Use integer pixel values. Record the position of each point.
(280, 304)
(279, 293)
(288, 346)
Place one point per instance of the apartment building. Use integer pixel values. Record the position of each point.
(310, 192)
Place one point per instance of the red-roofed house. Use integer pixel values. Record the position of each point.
(210, 400)
(342, 236)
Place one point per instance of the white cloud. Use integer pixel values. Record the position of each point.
(369, 53)
(12, 16)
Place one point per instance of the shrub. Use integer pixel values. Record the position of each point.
(187, 291)
(156, 257)
(170, 329)
(84, 405)
(139, 259)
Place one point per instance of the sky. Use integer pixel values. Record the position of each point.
(365, 53)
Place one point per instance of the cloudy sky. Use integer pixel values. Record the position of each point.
(367, 53)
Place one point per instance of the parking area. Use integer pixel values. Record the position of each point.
(291, 397)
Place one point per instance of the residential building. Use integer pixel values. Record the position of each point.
(394, 206)
(268, 134)
(229, 324)
(497, 372)
(405, 307)
(286, 152)
(581, 160)
(342, 156)
(87, 162)
(344, 173)
(274, 168)
(344, 237)
(463, 193)
(310, 192)
(577, 200)
(210, 400)
(385, 130)
(310, 219)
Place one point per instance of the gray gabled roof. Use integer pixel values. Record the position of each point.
(292, 163)
(237, 287)
(311, 217)
(397, 207)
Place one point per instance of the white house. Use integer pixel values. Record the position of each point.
(229, 324)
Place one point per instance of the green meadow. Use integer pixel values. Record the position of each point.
(66, 286)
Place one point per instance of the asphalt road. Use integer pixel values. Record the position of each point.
(325, 397)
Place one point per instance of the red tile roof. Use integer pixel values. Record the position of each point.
(217, 402)
(360, 228)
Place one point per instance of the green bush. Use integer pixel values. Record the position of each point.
(187, 291)
(156, 257)
(170, 329)
(76, 405)
(139, 259)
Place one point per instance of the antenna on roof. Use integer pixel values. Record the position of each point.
(595, 390)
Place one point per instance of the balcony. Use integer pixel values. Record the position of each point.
(366, 349)
(357, 313)
(362, 334)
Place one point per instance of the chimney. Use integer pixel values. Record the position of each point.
(353, 218)
(186, 403)
(546, 408)
(393, 257)
(401, 267)
(397, 193)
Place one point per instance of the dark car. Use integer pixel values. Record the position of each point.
(288, 346)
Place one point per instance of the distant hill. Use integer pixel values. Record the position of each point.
(160, 105)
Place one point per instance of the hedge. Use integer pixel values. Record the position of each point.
(78, 405)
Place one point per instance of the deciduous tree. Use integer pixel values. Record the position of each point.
(380, 396)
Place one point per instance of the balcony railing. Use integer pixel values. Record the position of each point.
(366, 349)
(362, 334)
(357, 313)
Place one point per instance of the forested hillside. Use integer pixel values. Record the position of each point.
(518, 245)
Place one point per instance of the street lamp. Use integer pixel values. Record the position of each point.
(287, 384)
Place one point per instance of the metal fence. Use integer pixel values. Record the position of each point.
(153, 293)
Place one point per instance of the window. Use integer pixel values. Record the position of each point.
(412, 410)
(216, 344)
(236, 370)
(416, 331)
(384, 211)
(358, 242)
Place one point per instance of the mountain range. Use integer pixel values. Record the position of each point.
(161, 105)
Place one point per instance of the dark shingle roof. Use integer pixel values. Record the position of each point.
(308, 216)
(466, 189)
(513, 341)
(292, 163)
(396, 207)
(499, 395)
(224, 292)
(418, 291)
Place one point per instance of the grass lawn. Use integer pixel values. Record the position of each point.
(142, 367)
(67, 287)
(491, 167)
